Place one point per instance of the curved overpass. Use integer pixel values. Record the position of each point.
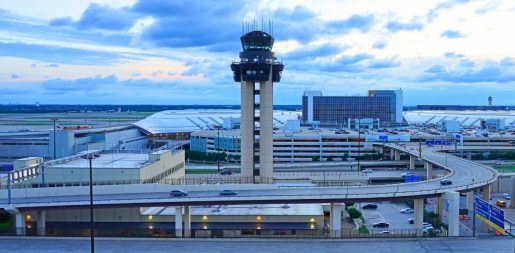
(465, 175)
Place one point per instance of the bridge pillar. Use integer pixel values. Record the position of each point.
(412, 160)
(469, 155)
(452, 212)
(512, 192)
(41, 220)
(429, 169)
(470, 203)
(187, 221)
(20, 224)
(439, 208)
(178, 221)
(418, 208)
(381, 150)
(397, 155)
(392, 154)
(336, 220)
(486, 197)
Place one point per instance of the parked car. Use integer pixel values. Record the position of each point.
(501, 203)
(369, 206)
(226, 172)
(368, 171)
(386, 232)
(178, 193)
(411, 221)
(381, 225)
(446, 182)
(506, 196)
(227, 193)
(407, 210)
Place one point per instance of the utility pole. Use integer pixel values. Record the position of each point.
(359, 143)
(218, 148)
(90, 157)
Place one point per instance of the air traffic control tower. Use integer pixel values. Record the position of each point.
(257, 70)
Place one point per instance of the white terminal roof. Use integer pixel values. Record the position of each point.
(193, 120)
(109, 161)
(465, 117)
(244, 210)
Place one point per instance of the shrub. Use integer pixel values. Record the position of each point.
(4, 216)
(363, 230)
(354, 213)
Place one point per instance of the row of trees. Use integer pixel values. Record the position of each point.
(210, 157)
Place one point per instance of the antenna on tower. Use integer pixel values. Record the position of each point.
(254, 26)
(269, 26)
(262, 24)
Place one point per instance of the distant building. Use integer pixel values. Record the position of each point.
(115, 167)
(461, 107)
(384, 106)
(492, 124)
(451, 126)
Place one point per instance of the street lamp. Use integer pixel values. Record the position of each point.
(359, 142)
(90, 157)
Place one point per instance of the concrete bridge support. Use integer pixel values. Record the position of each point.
(469, 155)
(470, 203)
(512, 192)
(486, 197)
(412, 160)
(178, 222)
(336, 220)
(187, 221)
(397, 155)
(41, 221)
(418, 207)
(20, 223)
(429, 170)
(452, 212)
(392, 154)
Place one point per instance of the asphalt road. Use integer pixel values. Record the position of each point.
(54, 245)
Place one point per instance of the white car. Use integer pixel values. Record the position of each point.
(407, 210)
(506, 196)
(368, 171)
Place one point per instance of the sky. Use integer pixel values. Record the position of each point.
(179, 52)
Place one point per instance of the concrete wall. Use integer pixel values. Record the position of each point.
(167, 165)
(503, 183)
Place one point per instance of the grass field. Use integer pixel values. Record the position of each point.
(505, 168)
(202, 171)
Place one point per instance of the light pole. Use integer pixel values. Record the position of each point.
(54, 120)
(218, 148)
(90, 157)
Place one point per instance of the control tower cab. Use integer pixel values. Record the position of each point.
(257, 70)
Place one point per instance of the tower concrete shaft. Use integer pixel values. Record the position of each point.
(257, 70)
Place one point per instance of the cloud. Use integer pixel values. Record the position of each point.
(58, 54)
(33, 65)
(299, 23)
(81, 84)
(452, 34)
(185, 23)
(311, 52)
(466, 63)
(435, 69)
(347, 63)
(64, 21)
(489, 73)
(52, 65)
(507, 62)
(384, 63)
(358, 22)
(394, 26)
(445, 5)
(453, 55)
(380, 44)
(14, 76)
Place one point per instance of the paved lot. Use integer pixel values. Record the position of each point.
(36, 245)
(389, 212)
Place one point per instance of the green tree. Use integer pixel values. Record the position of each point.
(354, 213)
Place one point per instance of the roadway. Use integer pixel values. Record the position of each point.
(130, 245)
(465, 175)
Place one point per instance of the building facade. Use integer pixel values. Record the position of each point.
(384, 106)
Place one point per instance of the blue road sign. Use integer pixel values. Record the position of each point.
(490, 214)
(446, 142)
(383, 137)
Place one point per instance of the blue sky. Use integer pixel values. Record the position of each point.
(179, 52)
